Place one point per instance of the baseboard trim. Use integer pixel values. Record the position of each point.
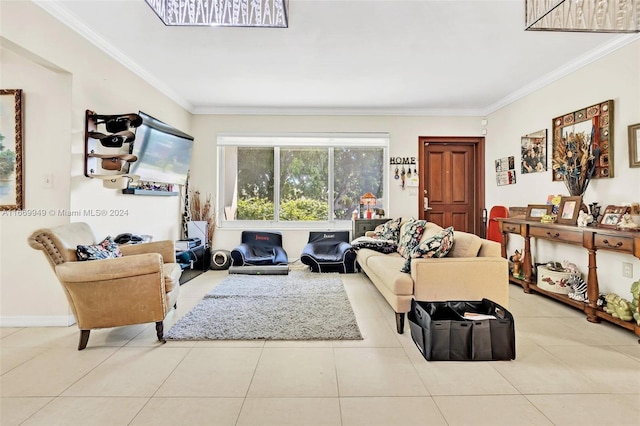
(37, 321)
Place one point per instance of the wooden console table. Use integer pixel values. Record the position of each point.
(592, 239)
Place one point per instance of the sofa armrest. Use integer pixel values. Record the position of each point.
(166, 249)
(490, 249)
(461, 278)
(110, 269)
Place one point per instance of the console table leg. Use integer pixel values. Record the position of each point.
(593, 289)
(527, 264)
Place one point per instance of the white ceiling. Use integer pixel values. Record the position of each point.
(446, 57)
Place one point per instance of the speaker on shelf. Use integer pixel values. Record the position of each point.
(220, 260)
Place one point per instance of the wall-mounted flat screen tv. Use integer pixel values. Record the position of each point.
(164, 152)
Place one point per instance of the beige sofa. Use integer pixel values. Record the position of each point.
(472, 270)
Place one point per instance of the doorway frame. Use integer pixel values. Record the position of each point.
(478, 144)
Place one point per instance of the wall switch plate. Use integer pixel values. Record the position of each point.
(627, 270)
(47, 180)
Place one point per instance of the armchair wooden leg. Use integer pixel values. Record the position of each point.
(84, 339)
(400, 322)
(160, 331)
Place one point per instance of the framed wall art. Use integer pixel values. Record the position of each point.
(634, 145)
(536, 211)
(533, 148)
(569, 210)
(11, 190)
(591, 126)
(612, 215)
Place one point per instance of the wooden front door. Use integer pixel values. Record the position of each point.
(452, 170)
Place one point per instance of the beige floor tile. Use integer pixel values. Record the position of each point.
(229, 343)
(189, 411)
(376, 372)
(290, 411)
(594, 409)
(632, 351)
(129, 372)
(376, 333)
(390, 411)
(610, 370)
(14, 411)
(507, 410)
(87, 411)
(212, 372)
(547, 332)
(295, 372)
(52, 372)
(42, 336)
(452, 378)
(14, 356)
(298, 344)
(537, 371)
(7, 331)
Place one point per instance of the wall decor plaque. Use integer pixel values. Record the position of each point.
(593, 124)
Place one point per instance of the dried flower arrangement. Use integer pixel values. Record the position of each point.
(203, 211)
(575, 160)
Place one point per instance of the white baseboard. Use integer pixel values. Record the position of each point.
(37, 321)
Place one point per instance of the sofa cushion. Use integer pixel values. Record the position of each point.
(387, 268)
(377, 244)
(410, 235)
(389, 230)
(438, 245)
(466, 245)
(106, 249)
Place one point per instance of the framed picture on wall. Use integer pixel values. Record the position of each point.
(587, 130)
(533, 148)
(11, 160)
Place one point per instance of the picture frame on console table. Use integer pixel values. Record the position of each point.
(611, 216)
(569, 210)
(536, 211)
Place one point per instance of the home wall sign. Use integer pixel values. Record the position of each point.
(405, 168)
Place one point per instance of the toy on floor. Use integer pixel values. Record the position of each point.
(578, 288)
(517, 264)
(635, 291)
(618, 307)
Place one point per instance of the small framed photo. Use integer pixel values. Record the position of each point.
(612, 215)
(536, 211)
(568, 210)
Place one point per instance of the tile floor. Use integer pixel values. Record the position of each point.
(567, 372)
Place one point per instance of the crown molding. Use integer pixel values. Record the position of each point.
(418, 112)
(557, 74)
(59, 12)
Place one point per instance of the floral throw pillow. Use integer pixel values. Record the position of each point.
(107, 249)
(376, 244)
(389, 230)
(410, 237)
(437, 245)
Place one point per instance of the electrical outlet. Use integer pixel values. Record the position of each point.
(627, 270)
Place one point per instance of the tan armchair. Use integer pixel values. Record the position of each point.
(139, 287)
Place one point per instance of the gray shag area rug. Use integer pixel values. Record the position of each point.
(298, 306)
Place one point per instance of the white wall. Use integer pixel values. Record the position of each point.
(617, 77)
(63, 75)
(403, 131)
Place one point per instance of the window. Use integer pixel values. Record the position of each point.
(290, 180)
